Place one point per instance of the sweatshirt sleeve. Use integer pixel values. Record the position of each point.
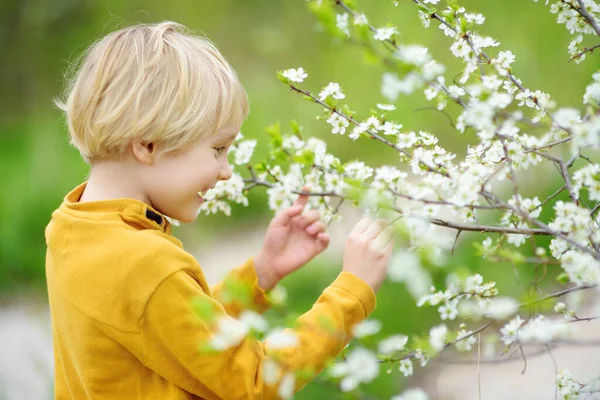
(245, 277)
(172, 335)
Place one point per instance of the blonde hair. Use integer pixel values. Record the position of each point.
(153, 83)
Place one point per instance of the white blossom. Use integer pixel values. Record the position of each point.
(390, 128)
(281, 339)
(509, 331)
(385, 33)
(592, 92)
(358, 170)
(271, 371)
(229, 333)
(567, 388)
(413, 54)
(224, 192)
(406, 367)
(342, 23)
(463, 344)
(412, 394)
(332, 89)
(243, 151)
(502, 307)
(295, 75)
(437, 337)
(425, 19)
(253, 321)
(361, 365)
(287, 386)
(360, 19)
(366, 328)
(405, 267)
(386, 107)
(338, 123)
(392, 344)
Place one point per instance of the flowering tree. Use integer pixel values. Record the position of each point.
(433, 196)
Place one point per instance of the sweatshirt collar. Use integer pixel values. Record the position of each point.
(129, 210)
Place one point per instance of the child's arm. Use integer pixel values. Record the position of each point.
(245, 275)
(172, 333)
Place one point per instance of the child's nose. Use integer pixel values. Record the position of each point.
(225, 172)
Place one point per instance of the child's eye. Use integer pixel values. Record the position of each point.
(220, 149)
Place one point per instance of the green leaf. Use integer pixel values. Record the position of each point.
(260, 167)
(563, 277)
(282, 78)
(296, 128)
(204, 309)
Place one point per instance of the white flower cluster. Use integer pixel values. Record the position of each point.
(592, 91)
(465, 339)
(360, 366)
(567, 388)
(473, 287)
(321, 176)
(295, 75)
(332, 89)
(537, 329)
(588, 177)
(392, 344)
(224, 193)
(437, 337)
(513, 218)
(405, 267)
(567, 13)
(230, 332)
(575, 222)
(385, 33)
(581, 268)
(570, 389)
(242, 151)
(366, 328)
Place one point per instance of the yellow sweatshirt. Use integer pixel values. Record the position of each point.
(120, 289)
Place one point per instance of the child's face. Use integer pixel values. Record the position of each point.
(175, 180)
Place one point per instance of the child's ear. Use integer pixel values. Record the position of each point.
(144, 152)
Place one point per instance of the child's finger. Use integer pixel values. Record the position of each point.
(375, 229)
(303, 198)
(323, 241)
(308, 218)
(286, 215)
(361, 226)
(315, 228)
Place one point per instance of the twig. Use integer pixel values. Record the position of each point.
(524, 359)
(557, 295)
(478, 363)
(585, 50)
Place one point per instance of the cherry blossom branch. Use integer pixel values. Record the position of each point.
(585, 50)
(585, 14)
(488, 59)
(374, 135)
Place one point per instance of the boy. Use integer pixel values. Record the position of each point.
(154, 110)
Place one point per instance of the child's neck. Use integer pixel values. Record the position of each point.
(112, 180)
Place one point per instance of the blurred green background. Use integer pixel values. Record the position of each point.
(39, 38)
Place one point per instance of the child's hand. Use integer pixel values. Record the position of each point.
(292, 239)
(368, 251)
